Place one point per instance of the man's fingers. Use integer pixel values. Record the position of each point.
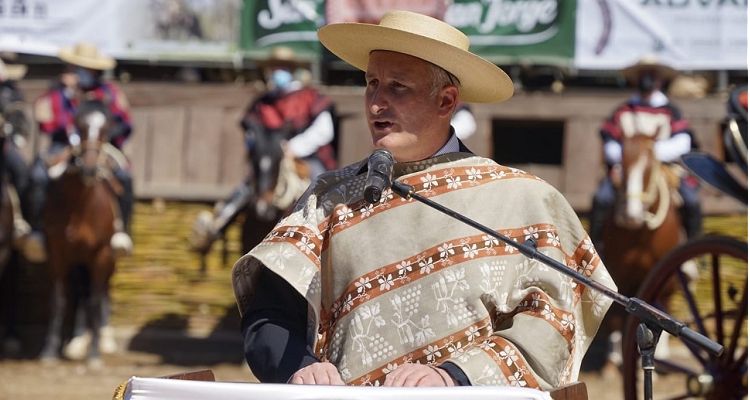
(317, 374)
(320, 376)
(412, 375)
(334, 378)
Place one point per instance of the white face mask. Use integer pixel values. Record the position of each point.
(281, 78)
(86, 78)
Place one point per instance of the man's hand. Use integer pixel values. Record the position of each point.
(320, 373)
(412, 375)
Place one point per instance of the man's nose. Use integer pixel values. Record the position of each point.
(377, 102)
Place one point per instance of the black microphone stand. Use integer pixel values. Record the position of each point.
(653, 320)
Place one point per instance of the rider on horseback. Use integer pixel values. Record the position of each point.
(54, 111)
(290, 101)
(677, 139)
(13, 117)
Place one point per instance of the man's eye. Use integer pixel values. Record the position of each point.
(372, 83)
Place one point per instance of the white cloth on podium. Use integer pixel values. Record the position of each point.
(173, 389)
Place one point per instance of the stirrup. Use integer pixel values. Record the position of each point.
(122, 244)
(34, 248)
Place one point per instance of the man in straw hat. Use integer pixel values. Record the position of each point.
(54, 111)
(648, 75)
(290, 101)
(397, 294)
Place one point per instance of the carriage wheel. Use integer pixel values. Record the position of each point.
(715, 306)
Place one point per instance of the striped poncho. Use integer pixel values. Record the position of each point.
(399, 282)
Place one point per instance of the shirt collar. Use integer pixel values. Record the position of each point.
(451, 146)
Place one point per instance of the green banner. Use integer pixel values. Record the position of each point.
(503, 31)
(517, 31)
(269, 23)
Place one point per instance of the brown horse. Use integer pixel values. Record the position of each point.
(79, 222)
(644, 224)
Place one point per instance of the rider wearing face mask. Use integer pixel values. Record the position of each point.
(290, 101)
(674, 139)
(80, 80)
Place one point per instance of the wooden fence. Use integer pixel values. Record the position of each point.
(187, 144)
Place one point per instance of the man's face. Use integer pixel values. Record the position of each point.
(402, 114)
(69, 78)
(649, 81)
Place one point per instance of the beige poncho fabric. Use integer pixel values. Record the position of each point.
(399, 282)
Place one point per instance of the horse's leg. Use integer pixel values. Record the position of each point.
(77, 347)
(9, 298)
(94, 313)
(101, 271)
(79, 343)
(107, 343)
(53, 340)
(254, 231)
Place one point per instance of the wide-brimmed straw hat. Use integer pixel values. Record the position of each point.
(648, 63)
(86, 55)
(283, 56)
(12, 72)
(423, 37)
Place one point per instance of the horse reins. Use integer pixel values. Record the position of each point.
(657, 187)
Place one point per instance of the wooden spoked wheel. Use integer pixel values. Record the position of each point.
(715, 305)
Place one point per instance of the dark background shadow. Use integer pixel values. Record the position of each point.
(169, 338)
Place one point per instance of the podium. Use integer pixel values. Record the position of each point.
(202, 385)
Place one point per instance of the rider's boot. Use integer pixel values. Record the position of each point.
(121, 241)
(19, 176)
(21, 228)
(33, 245)
(207, 227)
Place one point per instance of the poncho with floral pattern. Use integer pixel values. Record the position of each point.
(400, 282)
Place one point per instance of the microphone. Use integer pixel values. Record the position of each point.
(379, 172)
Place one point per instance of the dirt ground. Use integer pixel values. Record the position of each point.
(162, 288)
(156, 353)
(159, 354)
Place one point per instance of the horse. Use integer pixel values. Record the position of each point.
(80, 218)
(14, 125)
(275, 181)
(642, 227)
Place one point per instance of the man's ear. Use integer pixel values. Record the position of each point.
(448, 100)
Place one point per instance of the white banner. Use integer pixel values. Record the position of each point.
(124, 29)
(686, 34)
(41, 27)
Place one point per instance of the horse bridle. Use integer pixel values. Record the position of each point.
(657, 187)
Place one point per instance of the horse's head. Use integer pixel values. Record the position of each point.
(265, 155)
(92, 121)
(640, 183)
